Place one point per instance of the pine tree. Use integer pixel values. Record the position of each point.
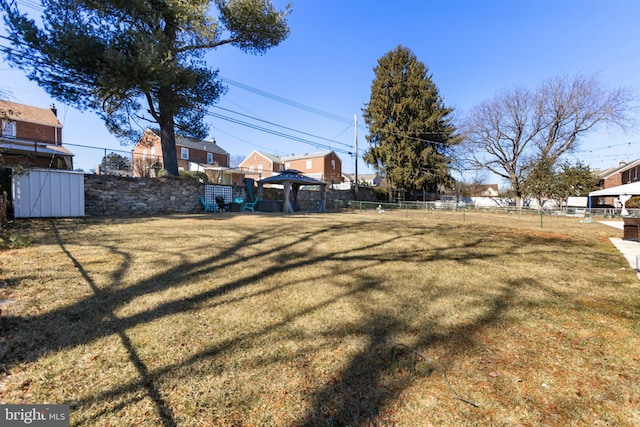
(411, 134)
(139, 61)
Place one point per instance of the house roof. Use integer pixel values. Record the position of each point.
(305, 156)
(486, 188)
(618, 169)
(28, 114)
(21, 146)
(271, 157)
(198, 144)
(184, 141)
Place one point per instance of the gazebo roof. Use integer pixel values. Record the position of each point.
(293, 176)
(292, 180)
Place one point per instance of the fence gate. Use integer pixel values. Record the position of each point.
(40, 193)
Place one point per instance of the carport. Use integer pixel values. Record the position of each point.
(622, 192)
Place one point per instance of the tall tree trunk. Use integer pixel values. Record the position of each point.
(167, 135)
(518, 196)
(167, 107)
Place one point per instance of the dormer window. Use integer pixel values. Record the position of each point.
(210, 158)
(8, 129)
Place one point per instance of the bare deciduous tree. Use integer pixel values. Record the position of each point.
(505, 134)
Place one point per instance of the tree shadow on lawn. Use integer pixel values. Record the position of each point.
(354, 398)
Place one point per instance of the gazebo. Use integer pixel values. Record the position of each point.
(292, 180)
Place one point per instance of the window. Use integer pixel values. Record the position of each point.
(9, 128)
(144, 154)
(287, 165)
(333, 164)
(184, 153)
(153, 152)
(309, 164)
(281, 167)
(210, 158)
(250, 168)
(259, 168)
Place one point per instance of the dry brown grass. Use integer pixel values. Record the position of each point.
(296, 320)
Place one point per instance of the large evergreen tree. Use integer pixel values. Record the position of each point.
(139, 60)
(410, 130)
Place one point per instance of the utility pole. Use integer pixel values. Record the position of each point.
(355, 137)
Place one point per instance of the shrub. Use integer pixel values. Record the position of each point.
(195, 176)
(633, 203)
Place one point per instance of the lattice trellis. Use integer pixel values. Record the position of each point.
(212, 191)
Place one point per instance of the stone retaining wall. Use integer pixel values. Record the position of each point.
(109, 195)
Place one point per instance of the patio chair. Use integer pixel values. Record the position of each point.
(209, 206)
(250, 205)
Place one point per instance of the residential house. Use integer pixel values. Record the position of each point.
(367, 179)
(32, 137)
(370, 179)
(325, 166)
(486, 190)
(192, 155)
(623, 173)
(258, 165)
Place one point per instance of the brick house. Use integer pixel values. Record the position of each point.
(192, 155)
(624, 173)
(325, 166)
(258, 165)
(32, 137)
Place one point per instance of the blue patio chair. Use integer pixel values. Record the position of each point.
(250, 206)
(209, 206)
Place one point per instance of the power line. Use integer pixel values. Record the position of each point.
(629, 143)
(284, 127)
(31, 5)
(277, 133)
(286, 101)
(244, 140)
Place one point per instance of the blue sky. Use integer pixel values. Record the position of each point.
(473, 49)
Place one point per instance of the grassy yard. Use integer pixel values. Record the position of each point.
(333, 319)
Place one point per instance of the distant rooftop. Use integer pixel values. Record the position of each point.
(29, 114)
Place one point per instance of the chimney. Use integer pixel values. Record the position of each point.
(54, 110)
(623, 163)
(213, 140)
